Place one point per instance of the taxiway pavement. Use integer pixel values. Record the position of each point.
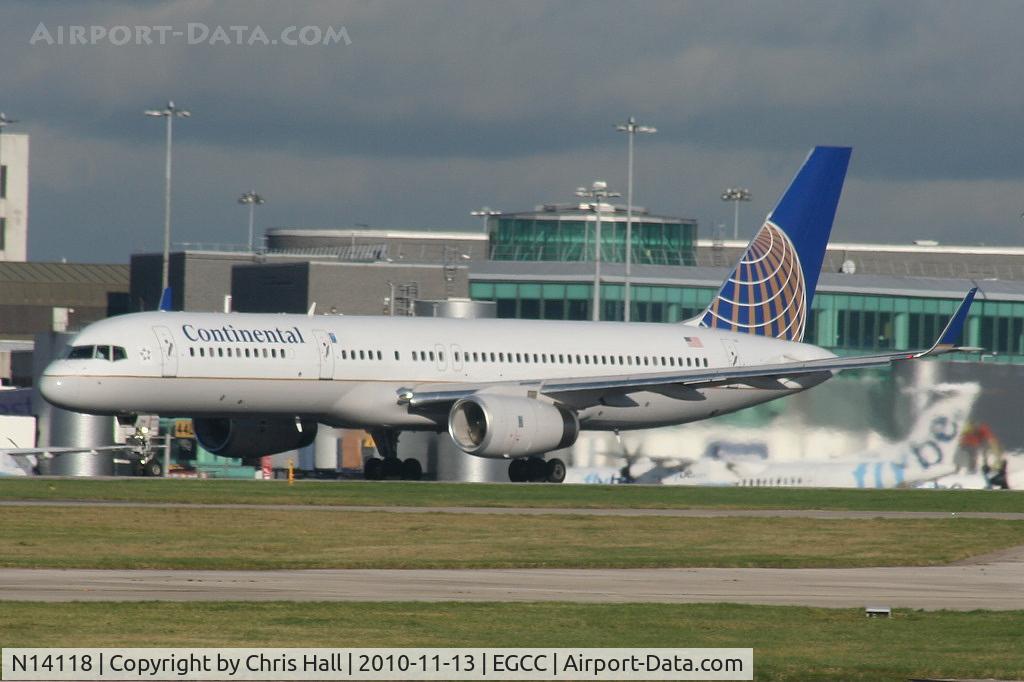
(991, 582)
(988, 582)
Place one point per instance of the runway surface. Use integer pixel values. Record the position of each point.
(988, 582)
(539, 511)
(991, 582)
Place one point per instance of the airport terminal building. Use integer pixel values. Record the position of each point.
(870, 297)
(540, 264)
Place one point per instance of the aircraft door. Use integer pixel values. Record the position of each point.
(325, 348)
(168, 351)
(731, 354)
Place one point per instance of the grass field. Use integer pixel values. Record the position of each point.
(505, 495)
(190, 538)
(788, 642)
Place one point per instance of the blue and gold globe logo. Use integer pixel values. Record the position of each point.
(766, 294)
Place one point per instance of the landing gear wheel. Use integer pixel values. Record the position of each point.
(392, 467)
(537, 469)
(411, 470)
(555, 471)
(373, 469)
(517, 471)
(153, 468)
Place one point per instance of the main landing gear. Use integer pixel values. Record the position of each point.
(536, 470)
(377, 469)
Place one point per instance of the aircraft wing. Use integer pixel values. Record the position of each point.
(60, 450)
(683, 384)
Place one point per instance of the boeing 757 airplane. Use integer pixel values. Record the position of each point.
(257, 384)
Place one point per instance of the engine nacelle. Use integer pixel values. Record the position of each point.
(499, 426)
(252, 438)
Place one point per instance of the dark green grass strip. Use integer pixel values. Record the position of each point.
(790, 643)
(198, 538)
(507, 495)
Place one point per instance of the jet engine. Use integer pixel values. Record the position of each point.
(252, 438)
(499, 426)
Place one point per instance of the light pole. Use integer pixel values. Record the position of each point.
(632, 128)
(4, 122)
(253, 200)
(597, 193)
(170, 112)
(736, 195)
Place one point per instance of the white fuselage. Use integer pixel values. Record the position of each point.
(350, 371)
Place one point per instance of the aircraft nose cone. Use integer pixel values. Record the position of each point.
(55, 390)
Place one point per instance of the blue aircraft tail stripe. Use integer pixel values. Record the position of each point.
(770, 290)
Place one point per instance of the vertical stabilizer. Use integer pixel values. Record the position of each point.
(935, 435)
(165, 300)
(769, 291)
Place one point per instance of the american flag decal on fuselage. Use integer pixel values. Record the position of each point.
(766, 293)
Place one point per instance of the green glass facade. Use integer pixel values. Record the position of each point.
(843, 323)
(528, 237)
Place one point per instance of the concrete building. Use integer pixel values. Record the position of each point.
(53, 297)
(344, 288)
(13, 197)
(378, 245)
(291, 282)
(199, 280)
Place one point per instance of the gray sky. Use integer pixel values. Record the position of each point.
(432, 109)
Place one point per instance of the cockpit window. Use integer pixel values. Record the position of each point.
(112, 353)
